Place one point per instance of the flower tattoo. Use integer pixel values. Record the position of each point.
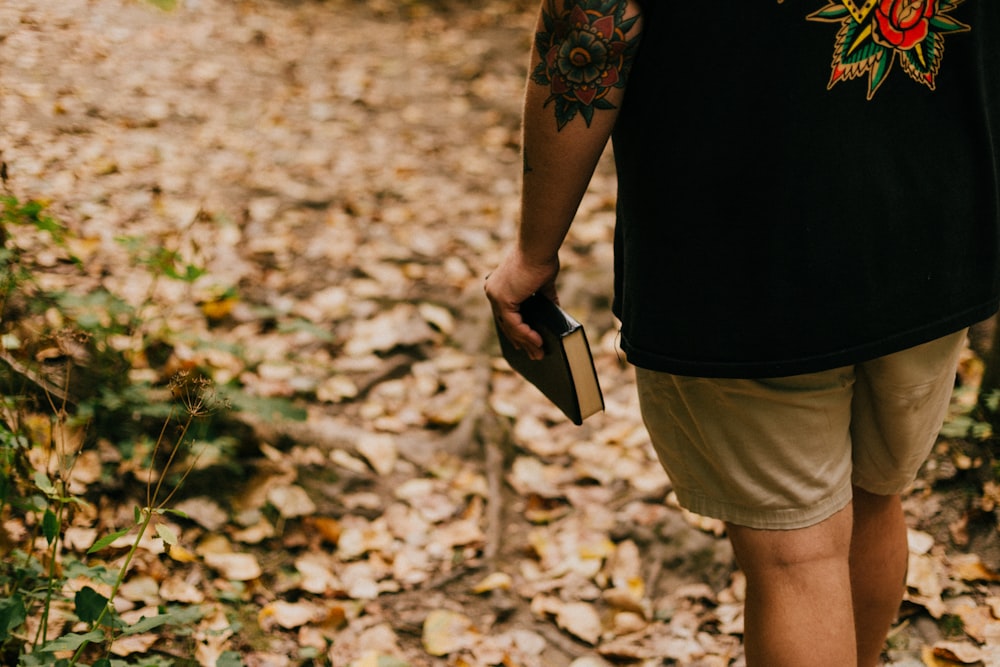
(878, 33)
(584, 54)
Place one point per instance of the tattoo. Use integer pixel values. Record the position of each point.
(525, 167)
(585, 53)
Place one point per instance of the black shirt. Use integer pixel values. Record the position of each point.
(805, 185)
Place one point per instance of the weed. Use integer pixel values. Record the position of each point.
(65, 384)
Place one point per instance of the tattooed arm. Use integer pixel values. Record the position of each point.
(580, 61)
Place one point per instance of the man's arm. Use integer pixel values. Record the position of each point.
(580, 62)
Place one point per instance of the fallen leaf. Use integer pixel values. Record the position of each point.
(317, 570)
(287, 615)
(960, 652)
(493, 581)
(204, 511)
(176, 589)
(924, 582)
(132, 644)
(380, 451)
(970, 567)
(291, 501)
(581, 620)
(919, 542)
(141, 588)
(234, 566)
(446, 632)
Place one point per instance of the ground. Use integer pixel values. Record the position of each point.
(346, 173)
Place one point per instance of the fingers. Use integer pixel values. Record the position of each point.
(508, 316)
(506, 288)
(522, 336)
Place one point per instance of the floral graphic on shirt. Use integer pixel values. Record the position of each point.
(878, 33)
(585, 53)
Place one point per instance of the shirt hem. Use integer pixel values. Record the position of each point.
(813, 364)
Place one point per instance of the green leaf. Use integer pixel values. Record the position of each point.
(106, 540)
(90, 605)
(138, 514)
(166, 534)
(229, 659)
(145, 624)
(75, 569)
(188, 615)
(50, 526)
(12, 615)
(957, 427)
(43, 483)
(267, 408)
(181, 513)
(72, 641)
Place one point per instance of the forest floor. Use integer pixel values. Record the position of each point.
(346, 173)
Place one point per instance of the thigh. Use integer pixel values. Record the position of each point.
(900, 402)
(773, 454)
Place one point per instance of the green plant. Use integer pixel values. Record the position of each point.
(34, 583)
(65, 382)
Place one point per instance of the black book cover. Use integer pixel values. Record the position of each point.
(566, 373)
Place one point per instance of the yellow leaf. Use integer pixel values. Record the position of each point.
(218, 309)
(446, 632)
(181, 555)
(492, 582)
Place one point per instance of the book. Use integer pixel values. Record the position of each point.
(566, 374)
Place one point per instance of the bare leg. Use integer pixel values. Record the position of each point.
(799, 601)
(879, 555)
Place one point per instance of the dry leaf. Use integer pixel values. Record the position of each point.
(529, 476)
(401, 326)
(970, 567)
(960, 652)
(493, 581)
(176, 589)
(317, 570)
(204, 511)
(79, 538)
(447, 631)
(141, 588)
(627, 622)
(580, 620)
(924, 578)
(287, 614)
(234, 566)
(181, 555)
(291, 501)
(380, 451)
(361, 580)
(132, 644)
(919, 542)
(327, 527)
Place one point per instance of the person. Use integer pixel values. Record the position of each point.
(807, 222)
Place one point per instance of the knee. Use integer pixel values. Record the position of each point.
(776, 552)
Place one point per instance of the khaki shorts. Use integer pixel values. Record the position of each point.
(784, 453)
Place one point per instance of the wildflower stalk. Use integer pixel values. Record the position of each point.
(197, 400)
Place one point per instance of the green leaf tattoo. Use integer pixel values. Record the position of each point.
(584, 55)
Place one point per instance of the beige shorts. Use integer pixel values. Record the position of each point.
(784, 453)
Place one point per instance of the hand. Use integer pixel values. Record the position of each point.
(513, 281)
